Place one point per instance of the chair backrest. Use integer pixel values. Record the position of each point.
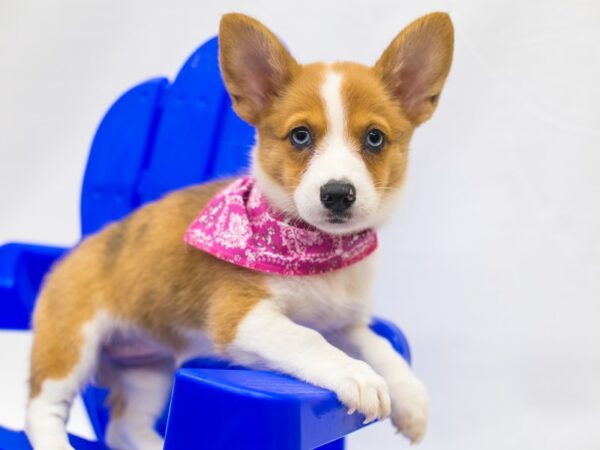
(158, 137)
(161, 136)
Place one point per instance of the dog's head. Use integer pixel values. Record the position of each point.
(333, 138)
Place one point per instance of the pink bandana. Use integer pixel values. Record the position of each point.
(238, 226)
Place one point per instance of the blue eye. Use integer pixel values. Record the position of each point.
(300, 138)
(374, 140)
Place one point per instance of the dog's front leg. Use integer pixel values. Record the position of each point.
(410, 404)
(267, 338)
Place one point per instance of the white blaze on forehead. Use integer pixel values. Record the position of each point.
(336, 158)
(334, 107)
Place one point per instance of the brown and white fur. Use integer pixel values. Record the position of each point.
(132, 302)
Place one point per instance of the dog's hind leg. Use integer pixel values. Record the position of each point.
(63, 359)
(138, 397)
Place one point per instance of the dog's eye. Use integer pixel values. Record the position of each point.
(300, 138)
(374, 140)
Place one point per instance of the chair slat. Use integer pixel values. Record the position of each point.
(119, 151)
(198, 132)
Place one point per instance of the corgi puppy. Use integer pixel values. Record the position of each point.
(134, 301)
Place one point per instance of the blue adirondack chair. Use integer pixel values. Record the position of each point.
(160, 136)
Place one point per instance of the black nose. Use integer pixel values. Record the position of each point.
(338, 196)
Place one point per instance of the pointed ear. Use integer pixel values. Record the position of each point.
(256, 67)
(416, 64)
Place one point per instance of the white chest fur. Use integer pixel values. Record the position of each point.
(330, 301)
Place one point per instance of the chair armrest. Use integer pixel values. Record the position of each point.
(392, 333)
(225, 409)
(221, 408)
(22, 268)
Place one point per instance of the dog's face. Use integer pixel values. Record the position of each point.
(333, 139)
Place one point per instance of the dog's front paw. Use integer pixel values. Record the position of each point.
(361, 389)
(410, 408)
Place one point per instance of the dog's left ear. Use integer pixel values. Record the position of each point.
(255, 65)
(416, 64)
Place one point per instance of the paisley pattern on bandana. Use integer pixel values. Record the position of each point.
(238, 226)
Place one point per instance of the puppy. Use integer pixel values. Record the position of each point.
(268, 270)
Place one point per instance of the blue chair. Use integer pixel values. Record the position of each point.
(160, 136)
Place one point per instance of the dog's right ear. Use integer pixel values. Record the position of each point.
(255, 65)
(415, 65)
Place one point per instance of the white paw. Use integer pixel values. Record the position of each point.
(410, 408)
(121, 435)
(361, 389)
(49, 441)
(53, 445)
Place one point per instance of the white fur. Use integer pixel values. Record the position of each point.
(328, 302)
(336, 159)
(145, 391)
(266, 337)
(198, 345)
(410, 404)
(48, 412)
(143, 386)
(275, 194)
(295, 330)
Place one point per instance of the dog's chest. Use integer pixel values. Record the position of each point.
(327, 302)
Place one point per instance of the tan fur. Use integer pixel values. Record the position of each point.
(369, 105)
(141, 271)
(259, 51)
(302, 105)
(116, 402)
(395, 95)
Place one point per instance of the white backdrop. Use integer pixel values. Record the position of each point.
(492, 266)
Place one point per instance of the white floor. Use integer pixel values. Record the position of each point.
(492, 266)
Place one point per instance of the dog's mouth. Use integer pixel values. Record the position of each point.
(340, 218)
(339, 223)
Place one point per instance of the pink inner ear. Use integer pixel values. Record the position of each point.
(260, 76)
(418, 68)
(256, 67)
